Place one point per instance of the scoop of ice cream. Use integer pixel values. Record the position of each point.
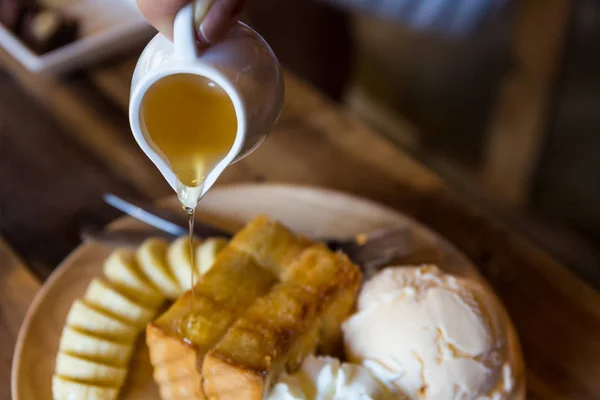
(429, 335)
(325, 378)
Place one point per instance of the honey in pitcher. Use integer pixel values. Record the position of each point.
(190, 120)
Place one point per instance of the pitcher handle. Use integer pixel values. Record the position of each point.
(187, 20)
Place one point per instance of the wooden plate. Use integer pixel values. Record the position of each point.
(314, 212)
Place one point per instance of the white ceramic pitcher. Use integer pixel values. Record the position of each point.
(243, 64)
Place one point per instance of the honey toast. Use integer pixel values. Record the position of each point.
(281, 328)
(270, 299)
(270, 244)
(180, 337)
(189, 329)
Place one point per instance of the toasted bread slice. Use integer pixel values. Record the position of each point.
(243, 328)
(186, 389)
(179, 339)
(284, 326)
(271, 244)
(174, 363)
(173, 359)
(337, 281)
(257, 346)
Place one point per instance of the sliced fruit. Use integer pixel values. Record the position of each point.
(85, 318)
(178, 257)
(100, 294)
(152, 259)
(66, 389)
(80, 369)
(94, 348)
(207, 252)
(122, 270)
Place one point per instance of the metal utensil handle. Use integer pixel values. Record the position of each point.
(162, 219)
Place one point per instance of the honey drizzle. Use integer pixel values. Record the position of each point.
(187, 323)
(191, 212)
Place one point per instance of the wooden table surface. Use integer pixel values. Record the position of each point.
(51, 186)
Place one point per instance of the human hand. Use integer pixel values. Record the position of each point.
(218, 19)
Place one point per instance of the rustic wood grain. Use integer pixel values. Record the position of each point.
(517, 127)
(94, 125)
(17, 288)
(556, 314)
(51, 185)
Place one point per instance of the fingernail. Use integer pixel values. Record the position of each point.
(219, 19)
(202, 34)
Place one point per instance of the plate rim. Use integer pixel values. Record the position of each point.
(62, 266)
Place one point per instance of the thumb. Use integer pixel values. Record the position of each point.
(219, 16)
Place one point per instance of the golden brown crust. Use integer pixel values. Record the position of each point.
(172, 358)
(336, 280)
(246, 328)
(270, 244)
(185, 389)
(241, 382)
(284, 326)
(219, 297)
(178, 342)
(259, 343)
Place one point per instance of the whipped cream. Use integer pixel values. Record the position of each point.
(326, 378)
(429, 335)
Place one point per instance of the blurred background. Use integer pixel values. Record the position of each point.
(501, 98)
(503, 103)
